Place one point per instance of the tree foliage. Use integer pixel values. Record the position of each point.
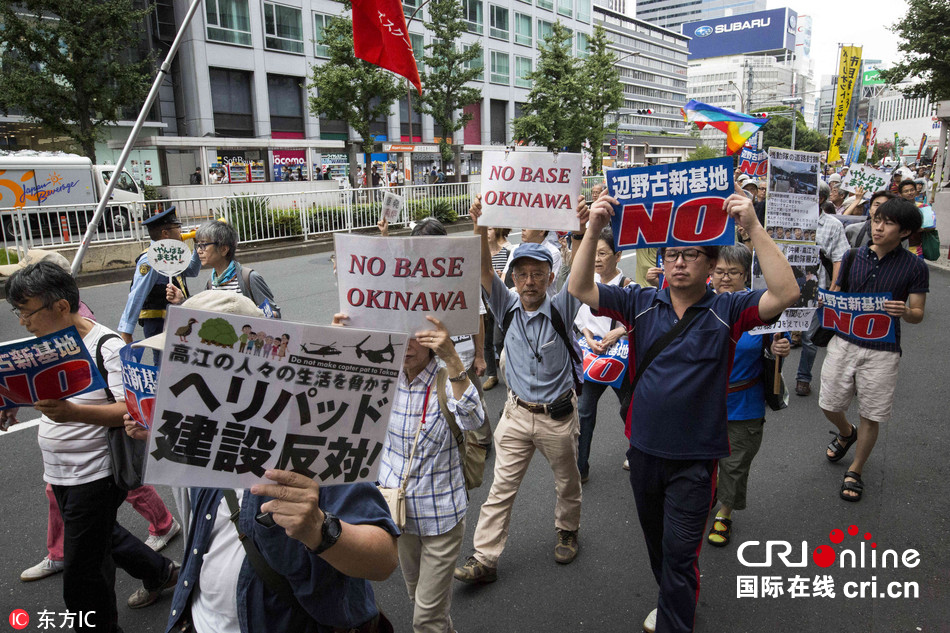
(67, 65)
(604, 92)
(925, 45)
(349, 89)
(778, 132)
(555, 113)
(444, 82)
(702, 152)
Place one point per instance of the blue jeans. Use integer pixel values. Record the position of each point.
(587, 414)
(809, 351)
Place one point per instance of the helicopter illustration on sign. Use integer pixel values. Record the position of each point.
(384, 355)
(321, 350)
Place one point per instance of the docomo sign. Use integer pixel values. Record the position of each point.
(290, 157)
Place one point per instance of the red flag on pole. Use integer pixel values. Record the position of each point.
(380, 36)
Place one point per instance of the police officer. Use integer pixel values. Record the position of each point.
(147, 300)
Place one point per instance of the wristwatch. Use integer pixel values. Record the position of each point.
(331, 531)
(462, 376)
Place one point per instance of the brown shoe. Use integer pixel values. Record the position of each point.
(489, 383)
(144, 598)
(803, 388)
(566, 549)
(476, 572)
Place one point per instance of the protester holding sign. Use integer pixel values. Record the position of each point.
(867, 366)
(543, 363)
(600, 334)
(77, 460)
(147, 294)
(215, 244)
(286, 554)
(676, 419)
(422, 456)
(745, 404)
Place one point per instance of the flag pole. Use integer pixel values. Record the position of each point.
(133, 136)
(409, 83)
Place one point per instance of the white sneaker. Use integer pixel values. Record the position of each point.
(158, 543)
(649, 625)
(41, 570)
(626, 464)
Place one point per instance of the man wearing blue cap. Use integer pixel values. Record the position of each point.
(542, 371)
(147, 303)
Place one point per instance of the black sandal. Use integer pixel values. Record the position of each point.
(723, 534)
(856, 486)
(840, 450)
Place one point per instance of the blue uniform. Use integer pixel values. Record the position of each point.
(144, 283)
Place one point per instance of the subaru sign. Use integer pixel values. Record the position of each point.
(755, 32)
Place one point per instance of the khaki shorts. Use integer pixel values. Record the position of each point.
(850, 368)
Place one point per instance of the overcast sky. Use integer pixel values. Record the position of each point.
(858, 22)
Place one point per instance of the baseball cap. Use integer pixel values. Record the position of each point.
(220, 301)
(834, 178)
(743, 179)
(537, 252)
(32, 256)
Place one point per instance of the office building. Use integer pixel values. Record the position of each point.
(673, 13)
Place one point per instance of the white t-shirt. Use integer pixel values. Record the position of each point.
(214, 603)
(465, 344)
(76, 453)
(598, 326)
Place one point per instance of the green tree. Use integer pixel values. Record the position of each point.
(604, 93)
(778, 132)
(925, 45)
(702, 152)
(349, 89)
(444, 82)
(68, 65)
(554, 114)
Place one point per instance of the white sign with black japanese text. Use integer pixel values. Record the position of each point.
(238, 395)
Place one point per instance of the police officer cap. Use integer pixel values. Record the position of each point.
(538, 252)
(163, 218)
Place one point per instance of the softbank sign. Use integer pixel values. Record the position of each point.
(744, 33)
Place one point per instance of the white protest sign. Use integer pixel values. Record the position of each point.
(393, 283)
(791, 204)
(531, 190)
(312, 399)
(169, 257)
(806, 266)
(392, 206)
(866, 177)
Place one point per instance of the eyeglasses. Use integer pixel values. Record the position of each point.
(731, 274)
(534, 276)
(18, 312)
(688, 255)
(203, 245)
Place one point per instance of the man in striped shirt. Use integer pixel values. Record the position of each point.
(866, 366)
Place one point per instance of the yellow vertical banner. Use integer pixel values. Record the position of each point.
(848, 69)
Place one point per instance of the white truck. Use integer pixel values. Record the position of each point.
(29, 183)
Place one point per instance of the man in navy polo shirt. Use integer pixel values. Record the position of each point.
(867, 367)
(677, 420)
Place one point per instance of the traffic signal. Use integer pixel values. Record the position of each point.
(760, 115)
(645, 111)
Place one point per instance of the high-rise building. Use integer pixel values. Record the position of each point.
(651, 60)
(673, 13)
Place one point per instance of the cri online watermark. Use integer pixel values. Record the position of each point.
(865, 556)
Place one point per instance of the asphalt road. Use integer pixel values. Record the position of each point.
(793, 497)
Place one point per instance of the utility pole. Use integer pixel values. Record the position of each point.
(748, 98)
(793, 102)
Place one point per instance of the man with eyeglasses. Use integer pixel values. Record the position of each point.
(541, 371)
(77, 461)
(147, 303)
(677, 421)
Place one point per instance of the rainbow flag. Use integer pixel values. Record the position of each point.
(738, 127)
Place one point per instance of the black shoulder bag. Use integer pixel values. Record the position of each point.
(128, 455)
(626, 391)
